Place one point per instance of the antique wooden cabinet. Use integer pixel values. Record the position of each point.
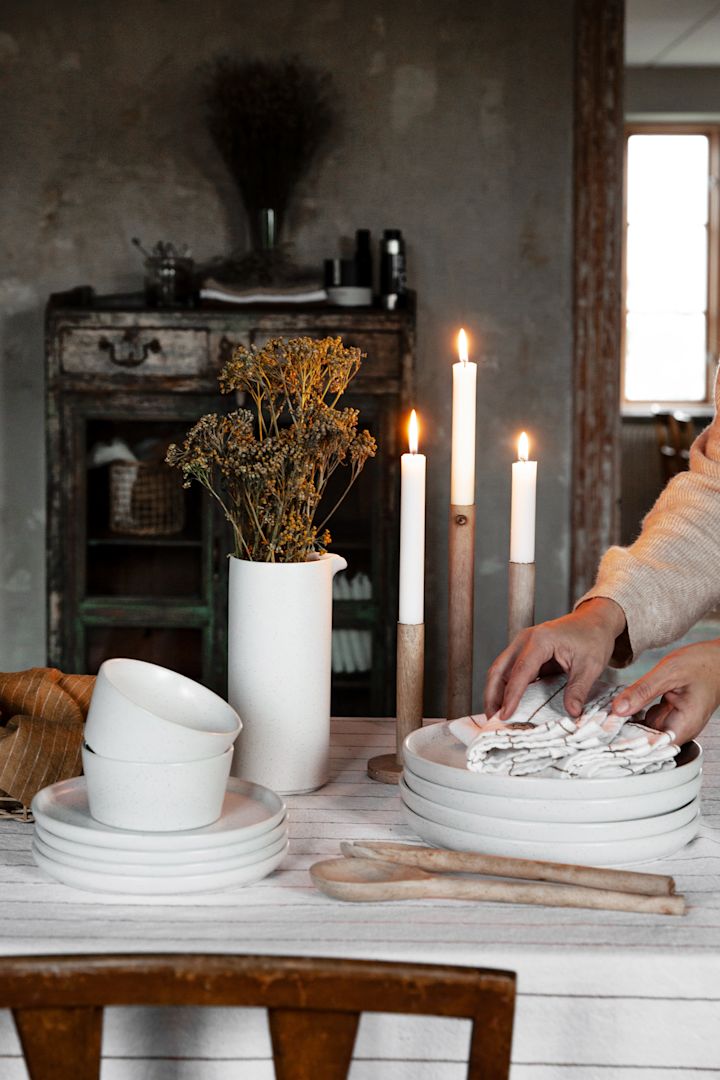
(136, 565)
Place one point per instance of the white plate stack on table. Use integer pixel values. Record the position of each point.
(550, 814)
(247, 842)
(155, 812)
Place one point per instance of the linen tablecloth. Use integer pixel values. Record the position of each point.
(600, 994)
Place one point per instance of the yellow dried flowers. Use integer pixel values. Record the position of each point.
(269, 466)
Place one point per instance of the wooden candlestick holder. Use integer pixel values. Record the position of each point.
(521, 597)
(461, 597)
(410, 675)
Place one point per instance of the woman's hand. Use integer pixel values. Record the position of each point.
(580, 644)
(687, 682)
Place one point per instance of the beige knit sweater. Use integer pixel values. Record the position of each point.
(670, 576)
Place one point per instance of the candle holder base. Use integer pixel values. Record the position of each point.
(521, 598)
(385, 768)
(461, 592)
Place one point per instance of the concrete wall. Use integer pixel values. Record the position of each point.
(458, 121)
(672, 92)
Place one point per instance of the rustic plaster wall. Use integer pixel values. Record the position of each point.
(458, 121)
(672, 92)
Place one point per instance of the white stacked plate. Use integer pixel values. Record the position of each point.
(247, 842)
(600, 822)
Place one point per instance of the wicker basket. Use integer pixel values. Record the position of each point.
(145, 499)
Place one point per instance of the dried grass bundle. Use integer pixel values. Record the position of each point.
(268, 120)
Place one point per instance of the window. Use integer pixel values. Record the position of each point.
(672, 243)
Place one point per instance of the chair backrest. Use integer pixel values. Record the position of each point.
(314, 1005)
(675, 434)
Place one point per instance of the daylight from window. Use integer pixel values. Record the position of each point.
(666, 268)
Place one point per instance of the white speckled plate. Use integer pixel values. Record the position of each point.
(550, 831)
(626, 808)
(129, 885)
(248, 811)
(181, 857)
(614, 853)
(434, 754)
(122, 865)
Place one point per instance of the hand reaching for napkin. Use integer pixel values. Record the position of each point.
(540, 736)
(42, 716)
(687, 681)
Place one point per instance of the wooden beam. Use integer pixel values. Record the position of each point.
(597, 273)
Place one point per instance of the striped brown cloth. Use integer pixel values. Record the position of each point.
(42, 715)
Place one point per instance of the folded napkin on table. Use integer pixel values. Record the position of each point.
(42, 716)
(541, 738)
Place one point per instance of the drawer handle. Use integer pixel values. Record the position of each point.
(129, 352)
(226, 348)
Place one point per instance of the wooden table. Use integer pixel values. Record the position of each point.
(602, 996)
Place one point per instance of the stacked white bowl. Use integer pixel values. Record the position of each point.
(158, 748)
(600, 822)
(155, 811)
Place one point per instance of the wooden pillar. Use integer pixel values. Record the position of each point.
(597, 273)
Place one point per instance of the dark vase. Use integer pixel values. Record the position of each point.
(264, 230)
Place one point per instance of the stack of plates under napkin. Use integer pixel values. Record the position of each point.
(603, 822)
(247, 842)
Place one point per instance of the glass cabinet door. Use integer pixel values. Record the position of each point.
(364, 532)
(142, 550)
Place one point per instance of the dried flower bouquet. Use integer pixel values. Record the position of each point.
(269, 466)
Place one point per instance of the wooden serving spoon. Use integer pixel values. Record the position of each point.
(374, 880)
(438, 860)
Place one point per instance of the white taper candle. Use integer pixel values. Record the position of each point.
(412, 530)
(462, 475)
(522, 514)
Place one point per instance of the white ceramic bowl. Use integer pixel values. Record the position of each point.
(156, 796)
(143, 712)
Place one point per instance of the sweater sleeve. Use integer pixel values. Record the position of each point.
(670, 576)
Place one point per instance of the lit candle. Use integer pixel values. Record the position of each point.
(462, 476)
(412, 530)
(522, 516)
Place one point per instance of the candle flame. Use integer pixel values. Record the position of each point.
(523, 447)
(413, 433)
(462, 347)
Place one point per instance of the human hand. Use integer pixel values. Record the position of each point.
(688, 684)
(580, 644)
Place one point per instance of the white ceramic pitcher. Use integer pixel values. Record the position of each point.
(279, 668)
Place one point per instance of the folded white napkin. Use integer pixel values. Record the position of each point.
(541, 738)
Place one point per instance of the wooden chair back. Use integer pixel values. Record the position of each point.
(675, 435)
(314, 1005)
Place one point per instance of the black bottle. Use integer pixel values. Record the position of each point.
(363, 259)
(393, 273)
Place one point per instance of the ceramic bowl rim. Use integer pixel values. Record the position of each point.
(109, 667)
(88, 750)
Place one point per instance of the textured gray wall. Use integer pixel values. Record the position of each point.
(458, 122)
(672, 92)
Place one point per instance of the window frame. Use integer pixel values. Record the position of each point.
(712, 345)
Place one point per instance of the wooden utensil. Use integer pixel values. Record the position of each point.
(465, 862)
(374, 880)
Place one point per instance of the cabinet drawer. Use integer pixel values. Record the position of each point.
(382, 353)
(146, 350)
(382, 350)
